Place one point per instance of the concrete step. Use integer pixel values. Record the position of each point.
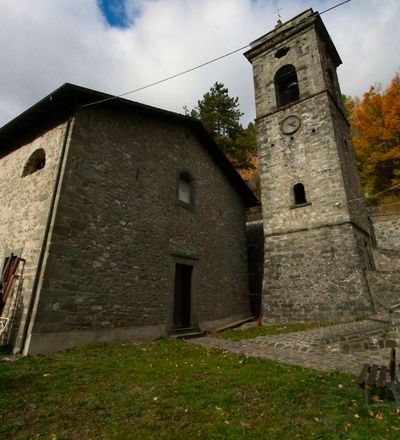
(186, 333)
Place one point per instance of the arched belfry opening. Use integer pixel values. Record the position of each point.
(299, 194)
(286, 85)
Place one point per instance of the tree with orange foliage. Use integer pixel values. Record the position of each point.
(375, 121)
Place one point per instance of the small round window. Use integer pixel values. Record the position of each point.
(36, 162)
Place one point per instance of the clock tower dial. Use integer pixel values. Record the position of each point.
(290, 124)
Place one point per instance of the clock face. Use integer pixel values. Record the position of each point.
(290, 124)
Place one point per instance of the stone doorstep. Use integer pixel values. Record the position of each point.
(185, 333)
(189, 335)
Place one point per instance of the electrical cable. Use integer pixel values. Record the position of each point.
(168, 78)
(374, 195)
(192, 68)
(333, 7)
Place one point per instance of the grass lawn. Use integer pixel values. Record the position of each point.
(171, 390)
(266, 330)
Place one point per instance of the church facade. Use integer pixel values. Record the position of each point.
(127, 221)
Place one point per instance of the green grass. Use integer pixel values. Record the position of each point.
(5, 350)
(171, 390)
(266, 330)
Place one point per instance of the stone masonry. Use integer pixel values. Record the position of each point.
(387, 231)
(316, 252)
(25, 203)
(384, 281)
(103, 231)
(118, 229)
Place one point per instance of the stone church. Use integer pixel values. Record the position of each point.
(121, 221)
(126, 220)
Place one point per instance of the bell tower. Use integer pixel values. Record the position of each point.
(317, 232)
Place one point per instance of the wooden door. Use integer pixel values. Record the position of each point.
(182, 295)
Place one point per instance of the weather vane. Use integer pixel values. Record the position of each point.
(278, 9)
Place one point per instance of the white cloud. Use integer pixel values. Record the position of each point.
(367, 36)
(69, 41)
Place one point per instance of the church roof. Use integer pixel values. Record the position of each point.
(67, 99)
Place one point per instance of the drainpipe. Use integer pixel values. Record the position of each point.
(22, 339)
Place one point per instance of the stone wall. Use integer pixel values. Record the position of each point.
(385, 280)
(315, 275)
(25, 203)
(387, 231)
(120, 231)
(307, 275)
(384, 288)
(387, 260)
(355, 200)
(311, 157)
(255, 243)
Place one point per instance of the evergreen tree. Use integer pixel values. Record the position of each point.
(220, 114)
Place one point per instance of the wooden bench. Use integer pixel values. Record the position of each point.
(377, 380)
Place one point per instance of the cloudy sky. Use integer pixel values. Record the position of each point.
(119, 45)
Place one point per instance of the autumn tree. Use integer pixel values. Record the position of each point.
(375, 121)
(220, 114)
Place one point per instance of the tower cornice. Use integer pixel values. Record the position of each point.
(289, 29)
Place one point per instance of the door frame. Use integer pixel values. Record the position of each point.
(188, 261)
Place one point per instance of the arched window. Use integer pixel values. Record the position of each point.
(36, 162)
(286, 85)
(299, 194)
(185, 189)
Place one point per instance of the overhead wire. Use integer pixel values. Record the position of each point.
(168, 78)
(374, 195)
(184, 72)
(213, 61)
(385, 190)
(335, 6)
